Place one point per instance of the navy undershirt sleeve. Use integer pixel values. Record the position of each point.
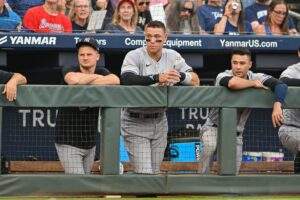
(291, 81)
(278, 87)
(129, 78)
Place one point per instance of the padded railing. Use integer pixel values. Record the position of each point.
(112, 99)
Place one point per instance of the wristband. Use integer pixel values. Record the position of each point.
(155, 78)
(182, 76)
(187, 79)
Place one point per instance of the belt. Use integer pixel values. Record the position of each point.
(145, 116)
(237, 133)
(293, 125)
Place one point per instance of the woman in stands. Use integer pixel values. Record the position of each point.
(232, 21)
(276, 22)
(182, 18)
(144, 15)
(124, 19)
(79, 15)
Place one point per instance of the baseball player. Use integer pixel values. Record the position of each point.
(145, 129)
(76, 128)
(11, 81)
(238, 78)
(289, 132)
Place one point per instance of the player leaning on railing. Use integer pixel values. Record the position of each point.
(289, 132)
(238, 78)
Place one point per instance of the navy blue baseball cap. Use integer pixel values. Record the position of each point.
(88, 42)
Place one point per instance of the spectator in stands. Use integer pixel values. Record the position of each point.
(238, 78)
(181, 17)
(11, 81)
(76, 128)
(79, 15)
(108, 5)
(145, 129)
(276, 22)
(289, 132)
(9, 20)
(124, 19)
(232, 21)
(144, 16)
(256, 15)
(246, 3)
(210, 14)
(46, 19)
(21, 6)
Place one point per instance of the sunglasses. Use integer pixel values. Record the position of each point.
(277, 12)
(184, 9)
(144, 3)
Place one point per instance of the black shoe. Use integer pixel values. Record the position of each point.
(297, 163)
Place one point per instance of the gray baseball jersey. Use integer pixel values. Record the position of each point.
(242, 113)
(146, 138)
(292, 116)
(209, 133)
(140, 63)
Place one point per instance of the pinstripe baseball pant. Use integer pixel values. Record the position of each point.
(209, 140)
(145, 141)
(76, 160)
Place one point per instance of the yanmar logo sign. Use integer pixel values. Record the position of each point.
(29, 40)
(3, 40)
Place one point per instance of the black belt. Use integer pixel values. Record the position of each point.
(293, 125)
(237, 133)
(145, 116)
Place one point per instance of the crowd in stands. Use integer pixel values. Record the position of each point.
(233, 17)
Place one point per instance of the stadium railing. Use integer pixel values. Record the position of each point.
(112, 99)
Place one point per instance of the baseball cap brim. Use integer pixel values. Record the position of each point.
(84, 43)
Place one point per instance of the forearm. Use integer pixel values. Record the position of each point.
(110, 79)
(19, 79)
(280, 92)
(291, 81)
(193, 79)
(133, 79)
(78, 78)
(237, 83)
(220, 27)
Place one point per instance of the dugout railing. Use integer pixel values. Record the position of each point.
(112, 99)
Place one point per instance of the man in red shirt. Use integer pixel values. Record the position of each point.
(46, 19)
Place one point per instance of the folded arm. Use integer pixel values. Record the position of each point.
(237, 83)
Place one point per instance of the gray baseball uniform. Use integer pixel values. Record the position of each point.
(209, 134)
(145, 129)
(289, 132)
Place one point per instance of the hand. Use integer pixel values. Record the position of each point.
(10, 89)
(277, 116)
(169, 78)
(101, 4)
(228, 11)
(258, 84)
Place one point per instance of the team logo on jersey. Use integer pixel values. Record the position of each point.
(3, 40)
